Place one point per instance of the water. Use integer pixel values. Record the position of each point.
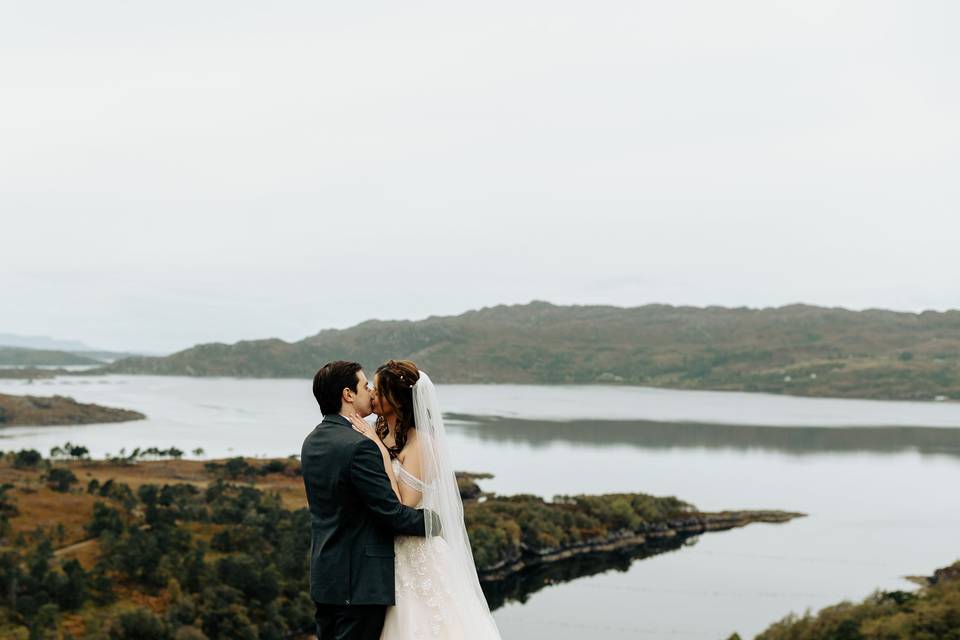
(876, 478)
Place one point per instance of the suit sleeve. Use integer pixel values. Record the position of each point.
(373, 484)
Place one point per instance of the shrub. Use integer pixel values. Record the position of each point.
(105, 518)
(27, 458)
(60, 479)
(189, 633)
(139, 624)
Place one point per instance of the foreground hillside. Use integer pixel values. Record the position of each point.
(130, 548)
(798, 349)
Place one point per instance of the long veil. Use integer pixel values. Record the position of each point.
(442, 496)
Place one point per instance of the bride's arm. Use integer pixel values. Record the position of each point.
(361, 425)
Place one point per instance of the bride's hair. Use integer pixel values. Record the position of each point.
(395, 381)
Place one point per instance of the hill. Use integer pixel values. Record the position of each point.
(23, 357)
(41, 342)
(796, 349)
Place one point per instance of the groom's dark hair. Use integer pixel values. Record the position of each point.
(331, 380)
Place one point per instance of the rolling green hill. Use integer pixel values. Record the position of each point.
(23, 357)
(796, 349)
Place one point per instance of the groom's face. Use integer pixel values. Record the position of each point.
(363, 398)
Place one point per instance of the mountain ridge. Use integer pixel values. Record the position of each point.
(799, 349)
(28, 357)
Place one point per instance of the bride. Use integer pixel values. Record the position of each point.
(438, 593)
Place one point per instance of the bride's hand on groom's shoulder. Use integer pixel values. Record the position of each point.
(362, 426)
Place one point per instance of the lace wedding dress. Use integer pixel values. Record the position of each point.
(434, 599)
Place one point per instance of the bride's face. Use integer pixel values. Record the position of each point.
(379, 407)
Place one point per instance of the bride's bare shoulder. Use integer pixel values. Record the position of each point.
(409, 445)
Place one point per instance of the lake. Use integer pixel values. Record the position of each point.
(876, 478)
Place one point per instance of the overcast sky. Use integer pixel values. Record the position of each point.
(183, 172)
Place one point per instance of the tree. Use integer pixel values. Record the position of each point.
(8, 508)
(229, 621)
(139, 624)
(105, 518)
(27, 458)
(60, 479)
(73, 590)
(236, 467)
(44, 623)
(137, 556)
(101, 585)
(189, 633)
(243, 572)
(10, 576)
(77, 452)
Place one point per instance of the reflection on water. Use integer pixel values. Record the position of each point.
(667, 435)
(518, 588)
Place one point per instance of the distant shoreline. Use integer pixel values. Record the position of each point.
(49, 374)
(29, 411)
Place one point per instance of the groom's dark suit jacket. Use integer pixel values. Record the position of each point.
(354, 516)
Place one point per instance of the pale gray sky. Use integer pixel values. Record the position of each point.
(182, 172)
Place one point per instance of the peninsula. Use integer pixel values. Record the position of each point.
(16, 411)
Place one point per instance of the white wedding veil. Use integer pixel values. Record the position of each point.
(442, 496)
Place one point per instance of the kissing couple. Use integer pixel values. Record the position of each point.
(390, 557)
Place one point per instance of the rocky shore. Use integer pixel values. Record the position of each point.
(18, 411)
(648, 534)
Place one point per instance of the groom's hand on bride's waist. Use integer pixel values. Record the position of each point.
(432, 522)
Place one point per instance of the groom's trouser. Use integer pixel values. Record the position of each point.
(349, 622)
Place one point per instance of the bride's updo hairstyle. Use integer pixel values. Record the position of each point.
(395, 381)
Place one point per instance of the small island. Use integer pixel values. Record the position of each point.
(146, 544)
(16, 411)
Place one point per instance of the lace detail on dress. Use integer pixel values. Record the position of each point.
(425, 609)
(406, 477)
(425, 606)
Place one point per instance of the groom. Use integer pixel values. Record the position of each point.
(354, 512)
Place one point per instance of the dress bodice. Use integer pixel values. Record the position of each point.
(406, 477)
(433, 600)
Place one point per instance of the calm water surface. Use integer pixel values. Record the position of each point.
(876, 478)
